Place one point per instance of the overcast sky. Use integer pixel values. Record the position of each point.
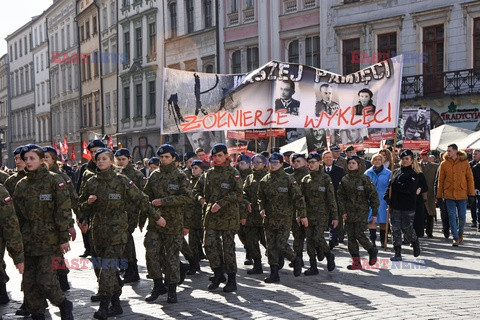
(15, 14)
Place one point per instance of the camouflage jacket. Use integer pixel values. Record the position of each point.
(3, 176)
(298, 175)
(90, 170)
(70, 188)
(171, 186)
(356, 194)
(196, 209)
(188, 172)
(317, 189)
(44, 211)
(250, 194)
(114, 191)
(135, 175)
(223, 186)
(280, 195)
(10, 235)
(11, 181)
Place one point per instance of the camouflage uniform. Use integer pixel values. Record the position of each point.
(44, 214)
(242, 207)
(194, 224)
(356, 194)
(109, 224)
(89, 171)
(3, 176)
(163, 244)
(298, 231)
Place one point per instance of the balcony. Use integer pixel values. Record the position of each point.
(289, 6)
(249, 14)
(308, 4)
(233, 18)
(452, 83)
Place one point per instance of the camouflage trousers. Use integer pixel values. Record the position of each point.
(402, 221)
(63, 271)
(3, 274)
(315, 239)
(253, 237)
(93, 252)
(277, 244)
(40, 282)
(162, 256)
(195, 237)
(243, 238)
(108, 278)
(220, 249)
(186, 250)
(298, 233)
(356, 234)
(130, 253)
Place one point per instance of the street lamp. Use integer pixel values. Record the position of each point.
(2, 145)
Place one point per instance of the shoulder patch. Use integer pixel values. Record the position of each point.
(237, 177)
(295, 182)
(131, 182)
(144, 178)
(61, 185)
(69, 181)
(7, 199)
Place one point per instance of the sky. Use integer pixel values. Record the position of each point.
(15, 14)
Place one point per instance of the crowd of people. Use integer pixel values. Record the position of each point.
(212, 197)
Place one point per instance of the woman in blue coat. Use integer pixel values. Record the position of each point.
(380, 177)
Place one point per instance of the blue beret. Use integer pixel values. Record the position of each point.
(166, 148)
(51, 150)
(154, 160)
(335, 148)
(27, 148)
(219, 147)
(276, 156)
(314, 155)
(298, 155)
(204, 165)
(17, 150)
(96, 144)
(405, 152)
(261, 157)
(356, 158)
(188, 155)
(102, 150)
(244, 157)
(176, 156)
(122, 152)
(350, 148)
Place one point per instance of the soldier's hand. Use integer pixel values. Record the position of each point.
(21, 267)
(72, 233)
(185, 231)
(84, 227)
(374, 219)
(418, 191)
(64, 247)
(344, 216)
(157, 202)
(304, 222)
(91, 199)
(334, 223)
(249, 208)
(202, 201)
(162, 222)
(262, 213)
(215, 207)
(243, 221)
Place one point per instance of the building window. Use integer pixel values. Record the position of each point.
(20, 45)
(22, 82)
(151, 97)
(87, 29)
(207, 13)
(387, 45)
(126, 43)
(476, 44)
(16, 56)
(233, 7)
(173, 18)
(293, 52)
(90, 113)
(209, 68)
(62, 38)
(97, 110)
(289, 6)
(105, 18)
(126, 102)
(113, 12)
(26, 45)
(349, 65)
(37, 64)
(252, 59)
(107, 108)
(152, 39)
(138, 100)
(433, 67)
(94, 25)
(190, 15)
(82, 33)
(312, 51)
(68, 36)
(138, 43)
(27, 80)
(237, 62)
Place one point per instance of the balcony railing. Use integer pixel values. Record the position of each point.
(450, 83)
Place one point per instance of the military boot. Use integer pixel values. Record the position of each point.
(66, 310)
(416, 248)
(115, 309)
(194, 266)
(22, 311)
(131, 274)
(297, 266)
(330, 261)
(320, 254)
(356, 263)
(158, 289)
(217, 278)
(183, 271)
(102, 312)
(96, 297)
(3, 293)
(372, 256)
(273, 277)
(300, 257)
(38, 316)
(248, 262)
(257, 267)
(63, 280)
(231, 283)
(172, 293)
(398, 254)
(313, 270)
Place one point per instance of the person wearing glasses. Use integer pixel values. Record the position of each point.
(278, 196)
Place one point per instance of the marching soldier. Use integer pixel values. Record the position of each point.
(243, 162)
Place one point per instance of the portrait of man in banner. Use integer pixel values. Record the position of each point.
(316, 139)
(204, 140)
(417, 125)
(286, 102)
(326, 104)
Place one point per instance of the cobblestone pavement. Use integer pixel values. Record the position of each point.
(442, 283)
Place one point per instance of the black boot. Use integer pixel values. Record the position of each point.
(66, 310)
(356, 263)
(96, 297)
(281, 262)
(416, 248)
(22, 311)
(313, 268)
(4, 299)
(158, 289)
(248, 262)
(382, 238)
(194, 266)
(320, 254)
(398, 254)
(273, 277)
(218, 278)
(183, 271)
(297, 266)
(131, 274)
(172, 293)
(38, 316)
(257, 267)
(102, 312)
(330, 261)
(63, 279)
(231, 283)
(300, 257)
(373, 236)
(372, 256)
(115, 309)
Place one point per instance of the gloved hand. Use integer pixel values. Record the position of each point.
(471, 200)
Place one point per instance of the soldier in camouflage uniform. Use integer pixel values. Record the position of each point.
(254, 222)
(167, 189)
(222, 192)
(188, 159)
(107, 194)
(44, 214)
(243, 167)
(317, 189)
(300, 170)
(278, 196)
(123, 161)
(356, 194)
(10, 237)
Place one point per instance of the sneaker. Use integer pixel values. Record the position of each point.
(455, 243)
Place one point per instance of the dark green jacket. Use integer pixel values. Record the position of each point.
(317, 189)
(250, 194)
(195, 218)
(10, 235)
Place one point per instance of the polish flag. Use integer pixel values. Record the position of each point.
(86, 154)
(73, 156)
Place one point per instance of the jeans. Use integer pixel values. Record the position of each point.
(452, 207)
